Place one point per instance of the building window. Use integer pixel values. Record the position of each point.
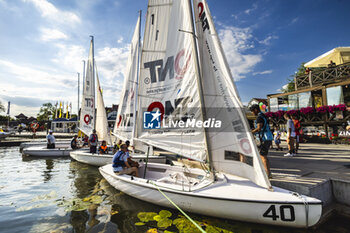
(283, 103)
(317, 98)
(335, 95)
(293, 102)
(304, 99)
(346, 94)
(273, 104)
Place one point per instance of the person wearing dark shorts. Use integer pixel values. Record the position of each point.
(264, 135)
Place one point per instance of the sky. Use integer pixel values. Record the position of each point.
(43, 44)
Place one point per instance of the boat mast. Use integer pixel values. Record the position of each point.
(93, 79)
(137, 79)
(200, 87)
(78, 95)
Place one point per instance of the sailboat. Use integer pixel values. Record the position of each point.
(125, 124)
(88, 121)
(191, 107)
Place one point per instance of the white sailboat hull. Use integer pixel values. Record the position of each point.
(102, 160)
(42, 143)
(230, 197)
(43, 151)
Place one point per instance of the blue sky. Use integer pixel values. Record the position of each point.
(43, 43)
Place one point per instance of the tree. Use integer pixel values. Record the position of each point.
(46, 110)
(291, 85)
(2, 108)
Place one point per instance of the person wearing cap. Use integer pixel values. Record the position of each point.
(74, 143)
(93, 139)
(50, 140)
(263, 133)
(121, 163)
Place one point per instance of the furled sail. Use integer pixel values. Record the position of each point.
(101, 116)
(124, 125)
(232, 148)
(168, 91)
(87, 115)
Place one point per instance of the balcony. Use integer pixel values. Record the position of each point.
(320, 76)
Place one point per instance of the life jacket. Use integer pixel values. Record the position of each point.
(103, 148)
(118, 161)
(265, 133)
(93, 139)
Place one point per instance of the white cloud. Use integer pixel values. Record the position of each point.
(70, 57)
(267, 40)
(120, 40)
(263, 72)
(49, 11)
(48, 34)
(235, 42)
(250, 10)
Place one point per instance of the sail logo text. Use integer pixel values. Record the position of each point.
(152, 120)
(157, 68)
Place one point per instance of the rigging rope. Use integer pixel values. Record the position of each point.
(177, 207)
(306, 205)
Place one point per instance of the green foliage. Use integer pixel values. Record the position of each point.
(46, 110)
(291, 86)
(2, 108)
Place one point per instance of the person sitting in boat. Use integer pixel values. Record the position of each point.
(127, 143)
(121, 164)
(50, 140)
(86, 140)
(74, 142)
(93, 139)
(117, 146)
(103, 149)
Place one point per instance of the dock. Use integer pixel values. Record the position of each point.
(17, 139)
(318, 170)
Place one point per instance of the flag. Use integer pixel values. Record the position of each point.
(67, 110)
(60, 115)
(8, 108)
(56, 109)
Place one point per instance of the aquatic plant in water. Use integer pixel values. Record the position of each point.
(181, 223)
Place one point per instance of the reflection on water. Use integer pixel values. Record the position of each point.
(60, 195)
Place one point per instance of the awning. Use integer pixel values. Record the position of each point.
(338, 55)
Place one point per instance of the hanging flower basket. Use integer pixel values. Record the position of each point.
(307, 110)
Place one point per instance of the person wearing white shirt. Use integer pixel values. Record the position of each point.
(50, 140)
(290, 135)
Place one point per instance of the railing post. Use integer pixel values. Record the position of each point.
(310, 78)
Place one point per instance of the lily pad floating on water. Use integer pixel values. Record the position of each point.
(165, 214)
(78, 204)
(146, 216)
(164, 223)
(139, 223)
(152, 230)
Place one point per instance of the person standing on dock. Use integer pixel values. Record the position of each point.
(290, 135)
(297, 128)
(93, 139)
(265, 137)
(50, 140)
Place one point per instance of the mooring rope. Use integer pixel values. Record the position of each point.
(177, 207)
(306, 205)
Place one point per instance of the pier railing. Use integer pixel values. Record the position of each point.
(321, 76)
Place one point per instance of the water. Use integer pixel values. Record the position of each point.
(60, 195)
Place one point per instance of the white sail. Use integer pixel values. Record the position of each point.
(101, 116)
(168, 80)
(124, 124)
(222, 102)
(87, 115)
